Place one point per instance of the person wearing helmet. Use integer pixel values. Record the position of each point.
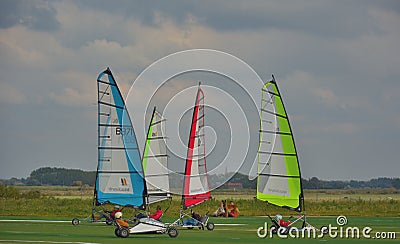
(116, 210)
(120, 221)
(282, 222)
(157, 215)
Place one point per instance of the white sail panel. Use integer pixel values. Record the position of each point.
(155, 160)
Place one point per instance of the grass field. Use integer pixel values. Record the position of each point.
(378, 209)
(64, 232)
(77, 202)
(311, 195)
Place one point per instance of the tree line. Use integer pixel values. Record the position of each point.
(71, 177)
(55, 177)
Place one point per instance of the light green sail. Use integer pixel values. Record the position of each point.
(155, 160)
(279, 179)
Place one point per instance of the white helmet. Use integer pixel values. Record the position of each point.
(118, 215)
(116, 207)
(278, 217)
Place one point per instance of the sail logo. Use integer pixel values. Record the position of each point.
(124, 182)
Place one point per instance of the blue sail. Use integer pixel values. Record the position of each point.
(119, 178)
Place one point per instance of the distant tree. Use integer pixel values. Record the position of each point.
(60, 176)
(396, 183)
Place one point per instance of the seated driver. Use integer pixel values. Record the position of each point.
(116, 210)
(157, 215)
(282, 222)
(120, 221)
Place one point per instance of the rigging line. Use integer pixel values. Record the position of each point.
(104, 93)
(267, 101)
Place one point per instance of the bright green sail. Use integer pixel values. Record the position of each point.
(279, 179)
(155, 160)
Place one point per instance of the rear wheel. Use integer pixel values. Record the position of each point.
(117, 233)
(173, 232)
(210, 226)
(109, 222)
(124, 233)
(75, 221)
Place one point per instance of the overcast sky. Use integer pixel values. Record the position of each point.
(337, 64)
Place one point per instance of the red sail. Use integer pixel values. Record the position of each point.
(196, 189)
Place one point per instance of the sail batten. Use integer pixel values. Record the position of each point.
(279, 179)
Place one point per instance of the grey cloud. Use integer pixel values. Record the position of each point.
(322, 18)
(352, 135)
(37, 15)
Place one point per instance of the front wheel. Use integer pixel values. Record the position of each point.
(210, 226)
(75, 221)
(124, 233)
(173, 232)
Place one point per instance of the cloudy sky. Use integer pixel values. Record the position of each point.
(337, 64)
